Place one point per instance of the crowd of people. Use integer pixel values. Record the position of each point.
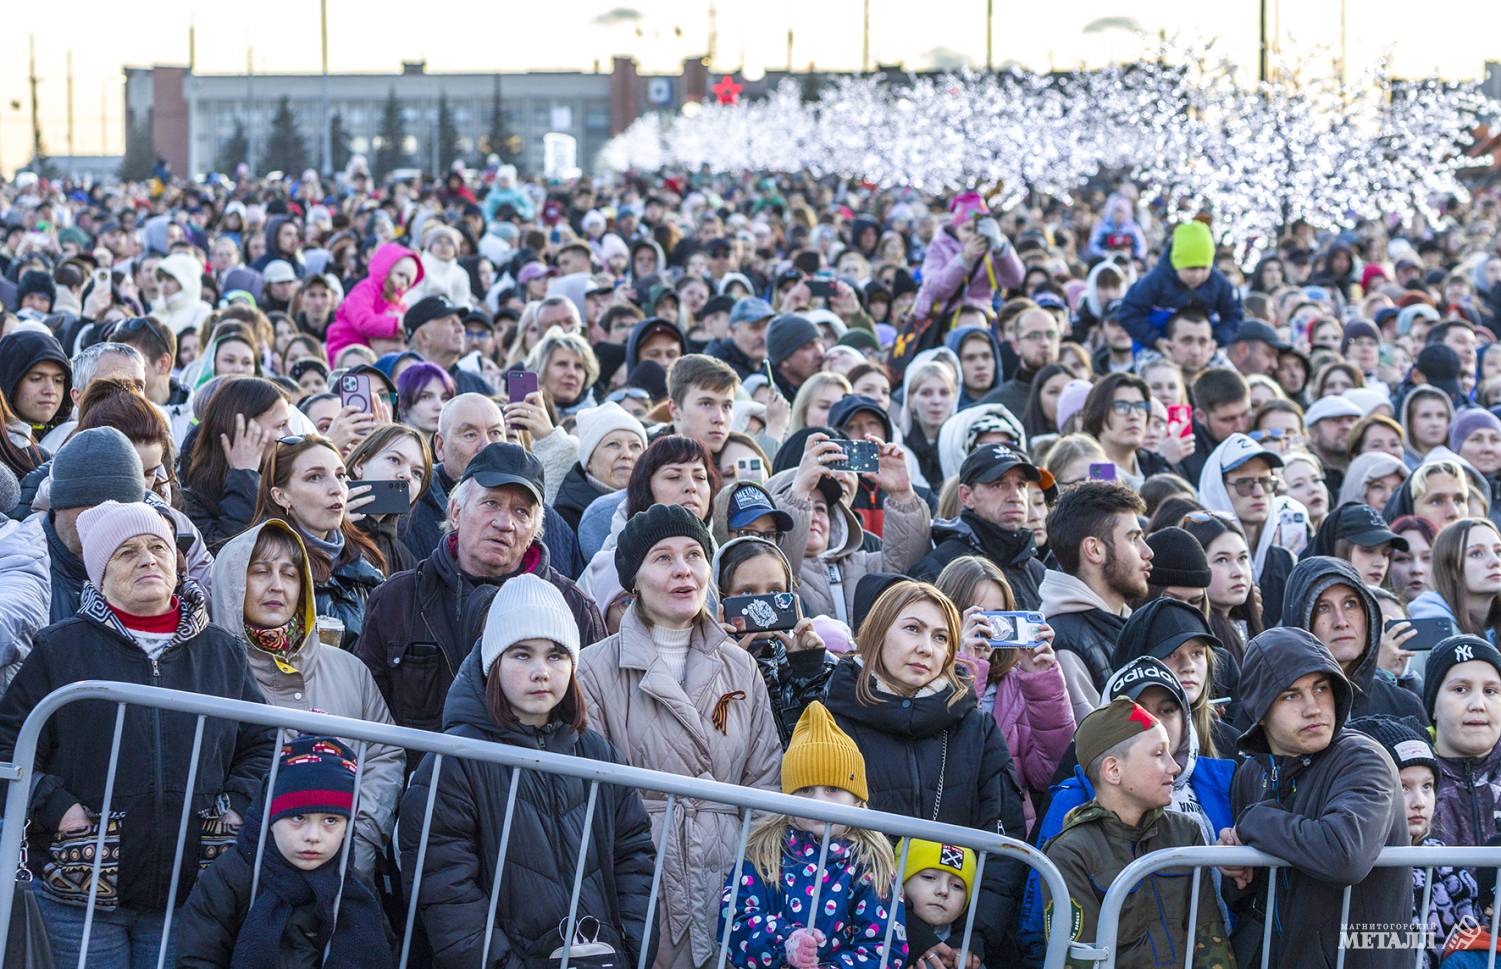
(738, 478)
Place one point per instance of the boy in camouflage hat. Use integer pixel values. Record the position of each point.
(1127, 757)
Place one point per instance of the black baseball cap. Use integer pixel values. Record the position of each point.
(497, 465)
(989, 462)
(476, 314)
(1259, 331)
(1364, 526)
(426, 310)
(302, 366)
(1159, 627)
(717, 304)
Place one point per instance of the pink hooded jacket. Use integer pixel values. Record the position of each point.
(364, 315)
(1037, 720)
(944, 269)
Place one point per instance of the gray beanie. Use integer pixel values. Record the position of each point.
(95, 466)
(10, 490)
(787, 334)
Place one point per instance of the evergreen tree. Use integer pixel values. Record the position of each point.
(231, 153)
(496, 139)
(391, 153)
(448, 136)
(139, 153)
(285, 149)
(338, 139)
(811, 87)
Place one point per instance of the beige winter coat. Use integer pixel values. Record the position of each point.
(904, 541)
(660, 724)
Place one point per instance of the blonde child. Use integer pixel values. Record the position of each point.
(770, 923)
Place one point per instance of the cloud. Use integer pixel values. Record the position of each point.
(945, 58)
(1103, 24)
(618, 15)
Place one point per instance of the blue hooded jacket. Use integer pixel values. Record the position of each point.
(1159, 294)
(955, 340)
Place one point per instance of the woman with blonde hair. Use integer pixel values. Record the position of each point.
(930, 392)
(1466, 585)
(566, 368)
(818, 394)
(1070, 457)
(929, 751)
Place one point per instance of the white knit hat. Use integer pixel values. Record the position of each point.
(527, 607)
(597, 423)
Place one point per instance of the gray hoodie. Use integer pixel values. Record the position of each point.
(317, 679)
(1330, 814)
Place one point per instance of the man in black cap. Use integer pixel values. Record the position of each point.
(434, 328)
(993, 490)
(795, 351)
(714, 319)
(1117, 350)
(414, 637)
(1255, 348)
(479, 332)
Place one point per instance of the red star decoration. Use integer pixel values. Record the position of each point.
(726, 91)
(1140, 715)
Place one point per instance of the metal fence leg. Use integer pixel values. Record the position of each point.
(361, 750)
(500, 862)
(729, 923)
(1344, 920)
(656, 882)
(260, 841)
(1422, 959)
(578, 873)
(109, 793)
(1271, 913)
(1490, 962)
(427, 826)
(1193, 920)
(182, 841)
(896, 893)
(969, 921)
(823, 859)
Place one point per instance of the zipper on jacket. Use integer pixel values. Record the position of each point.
(156, 760)
(1477, 830)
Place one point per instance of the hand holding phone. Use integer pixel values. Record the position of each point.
(1182, 415)
(861, 457)
(520, 383)
(1015, 630)
(776, 612)
(1427, 633)
(386, 497)
(354, 391)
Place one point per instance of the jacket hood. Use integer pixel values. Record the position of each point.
(273, 226)
(1309, 580)
(656, 250)
(1216, 497)
(1187, 754)
(919, 716)
(1274, 661)
(1404, 415)
(25, 349)
(387, 256)
(1092, 287)
(1063, 594)
(1365, 469)
(845, 533)
(954, 435)
(229, 579)
(956, 339)
(1006, 549)
(189, 275)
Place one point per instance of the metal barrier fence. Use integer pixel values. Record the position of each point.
(363, 734)
(1105, 947)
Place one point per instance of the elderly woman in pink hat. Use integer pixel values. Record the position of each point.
(968, 260)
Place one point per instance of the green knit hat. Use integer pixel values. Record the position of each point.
(1193, 246)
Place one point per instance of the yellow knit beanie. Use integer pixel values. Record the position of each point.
(954, 859)
(1193, 246)
(822, 755)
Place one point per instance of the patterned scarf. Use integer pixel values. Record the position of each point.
(280, 641)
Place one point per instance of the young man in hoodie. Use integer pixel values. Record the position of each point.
(1104, 562)
(979, 355)
(1128, 758)
(1325, 799)
(1328, 597)
(994, 493)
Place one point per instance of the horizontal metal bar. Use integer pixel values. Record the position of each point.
(9, 771)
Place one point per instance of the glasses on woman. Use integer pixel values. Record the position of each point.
(1124, 407)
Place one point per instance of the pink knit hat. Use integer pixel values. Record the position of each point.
(108, 525)
(1071, 400)
(967, 205)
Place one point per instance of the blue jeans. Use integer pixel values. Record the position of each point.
(126, 938)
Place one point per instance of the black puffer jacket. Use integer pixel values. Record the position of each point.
(793, 680)
(1329, 814)
(346, 592)
(969, 534)
(72, 758)
(574, 495)
(1376, 692)
(542, 855)
(414, 638)
(928, 759)
(222, 516)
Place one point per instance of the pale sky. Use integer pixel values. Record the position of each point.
(1452, 38)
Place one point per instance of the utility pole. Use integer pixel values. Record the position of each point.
(70, 104)
(36, 119)
(989, 26)
(713, 35)
(789, 48)
(1344, 56)
(250, 106)
(326, 141)
(1261, 48)
(865, 47)
(104, 119)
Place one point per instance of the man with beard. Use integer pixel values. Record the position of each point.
(1096, 535)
